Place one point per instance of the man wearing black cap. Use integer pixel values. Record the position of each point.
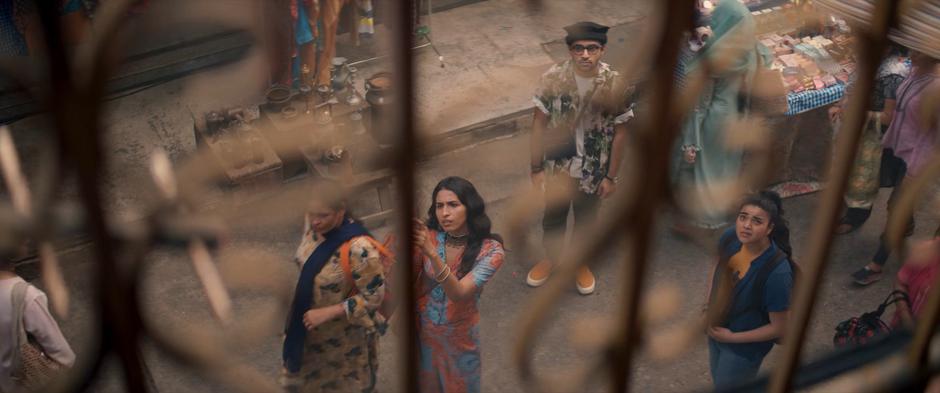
(578, 135)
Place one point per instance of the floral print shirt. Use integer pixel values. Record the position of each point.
(605, 105)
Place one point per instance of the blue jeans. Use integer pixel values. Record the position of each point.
(728, 367)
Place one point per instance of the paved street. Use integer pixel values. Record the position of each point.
(173, 298)
(494, 54)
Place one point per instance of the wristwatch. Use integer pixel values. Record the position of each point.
(615, 179)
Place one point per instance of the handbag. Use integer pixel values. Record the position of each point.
(32, 368)
(868, 326)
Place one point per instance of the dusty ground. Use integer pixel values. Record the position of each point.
(500, 61)
(173, 299)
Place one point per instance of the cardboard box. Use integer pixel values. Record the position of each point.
(792, 71)
(818, 83)
(811, 70)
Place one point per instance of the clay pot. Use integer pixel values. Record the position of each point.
(379, 97)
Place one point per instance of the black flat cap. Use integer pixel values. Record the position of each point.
(586, 31)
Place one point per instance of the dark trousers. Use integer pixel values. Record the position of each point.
(884, 249)
(555, 218)
(892, 173)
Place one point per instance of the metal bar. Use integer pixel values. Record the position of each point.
(871, 46)
(371, 59)
(404, 161)
(12, 175)
(621, 216)
(20, 194)
(677, 15)
(219, 300)
(77, 114)
(62, 84)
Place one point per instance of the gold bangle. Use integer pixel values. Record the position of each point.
(445, 273)
(441, 273)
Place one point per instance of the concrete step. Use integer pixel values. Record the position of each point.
(146, 69)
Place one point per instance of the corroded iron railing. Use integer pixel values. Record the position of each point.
(73, 96)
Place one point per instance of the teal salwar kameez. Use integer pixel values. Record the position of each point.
(702, 181)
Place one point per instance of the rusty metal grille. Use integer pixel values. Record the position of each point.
(71, 86)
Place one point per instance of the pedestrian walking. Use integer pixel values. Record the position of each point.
(458, 254)
(749, 297)
(864, 181)
(24, 313)
(908, 145)
(333, 326)
(703, 160)
(578, 136)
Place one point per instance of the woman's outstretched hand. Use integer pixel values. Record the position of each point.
(422, 239)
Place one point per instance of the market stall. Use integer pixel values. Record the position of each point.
(813, 54)
(815, 67)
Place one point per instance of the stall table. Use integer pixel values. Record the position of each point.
(298, 144)
(803, 136)
(302, 139)
(244, 156)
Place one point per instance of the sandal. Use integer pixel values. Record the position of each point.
(866, 276)
(845, 228)
(853, 219)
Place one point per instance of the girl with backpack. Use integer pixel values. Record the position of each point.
(333, 323)
(749, 298)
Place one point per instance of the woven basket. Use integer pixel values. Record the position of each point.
(36, 369)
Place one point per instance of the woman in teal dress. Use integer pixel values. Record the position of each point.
(703, 160)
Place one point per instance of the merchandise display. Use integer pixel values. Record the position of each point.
(815, 59)
(918, 22)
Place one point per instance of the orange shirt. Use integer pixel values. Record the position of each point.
(740, 263)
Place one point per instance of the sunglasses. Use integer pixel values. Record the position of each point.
(591, 49)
